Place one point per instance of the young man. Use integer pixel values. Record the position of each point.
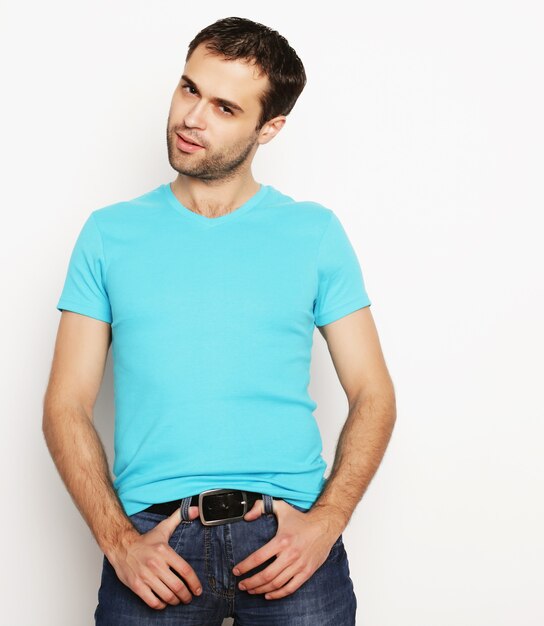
(209, 289)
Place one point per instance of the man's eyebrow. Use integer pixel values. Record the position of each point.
(221, 101)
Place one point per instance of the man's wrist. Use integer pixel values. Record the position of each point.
(332, 517)
(112, 547)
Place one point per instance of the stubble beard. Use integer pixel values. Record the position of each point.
(221, 166)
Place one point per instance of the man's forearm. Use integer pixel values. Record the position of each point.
(361, 446)
(81, 461)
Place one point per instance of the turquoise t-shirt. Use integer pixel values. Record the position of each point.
(212, 325)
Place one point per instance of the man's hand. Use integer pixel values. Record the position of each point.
(142, 562)
(301, 545)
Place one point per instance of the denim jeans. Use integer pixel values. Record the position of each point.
(327, 598)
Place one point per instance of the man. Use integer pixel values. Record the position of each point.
(208, 290)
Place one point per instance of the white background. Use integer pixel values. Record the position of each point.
(421, 127)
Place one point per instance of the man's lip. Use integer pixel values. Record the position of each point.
(188, 139)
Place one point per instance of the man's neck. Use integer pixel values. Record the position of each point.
(215, 198)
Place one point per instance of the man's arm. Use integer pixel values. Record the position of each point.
(77, 371)
(356, 353)
(359, 362)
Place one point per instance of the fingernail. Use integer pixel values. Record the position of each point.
(199, 591)
(242, 586)
(236, 571)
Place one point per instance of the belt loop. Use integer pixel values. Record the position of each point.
(184, 508)
(268, 503)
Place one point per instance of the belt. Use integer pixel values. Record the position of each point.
(215, 506)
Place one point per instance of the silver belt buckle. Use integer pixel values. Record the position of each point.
(225, 520)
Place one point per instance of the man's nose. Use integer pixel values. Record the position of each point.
(196, 116)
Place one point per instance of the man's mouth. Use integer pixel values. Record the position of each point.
(189, 140)
(186, 145)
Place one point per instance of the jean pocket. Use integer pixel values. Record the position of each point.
(144, 521)
(337, 549)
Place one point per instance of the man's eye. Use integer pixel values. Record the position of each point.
(226, 111)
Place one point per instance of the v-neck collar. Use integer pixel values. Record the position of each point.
(209, 222)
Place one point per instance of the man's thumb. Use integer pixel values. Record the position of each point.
(174, 520)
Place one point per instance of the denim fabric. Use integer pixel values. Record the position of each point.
(327, 598)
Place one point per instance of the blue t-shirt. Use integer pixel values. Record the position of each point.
(212, 325)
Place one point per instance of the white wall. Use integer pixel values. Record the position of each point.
(433, 161)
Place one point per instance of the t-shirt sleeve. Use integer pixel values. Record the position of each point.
(84, 288)
(341, 287)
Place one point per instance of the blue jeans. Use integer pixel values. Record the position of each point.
(327, 598)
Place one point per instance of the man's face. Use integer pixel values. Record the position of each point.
(228, 135)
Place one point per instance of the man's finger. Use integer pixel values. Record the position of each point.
(297, 581)
(273, 574)
(173, 520)
(256, 510)
(261, 555)
(185, 571)
(277, 578)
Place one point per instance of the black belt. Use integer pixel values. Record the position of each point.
(215, 506)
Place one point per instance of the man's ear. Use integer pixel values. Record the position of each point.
(271, 129)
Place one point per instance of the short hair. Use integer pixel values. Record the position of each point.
(241, 38)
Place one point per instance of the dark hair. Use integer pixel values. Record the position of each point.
(240, 38)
